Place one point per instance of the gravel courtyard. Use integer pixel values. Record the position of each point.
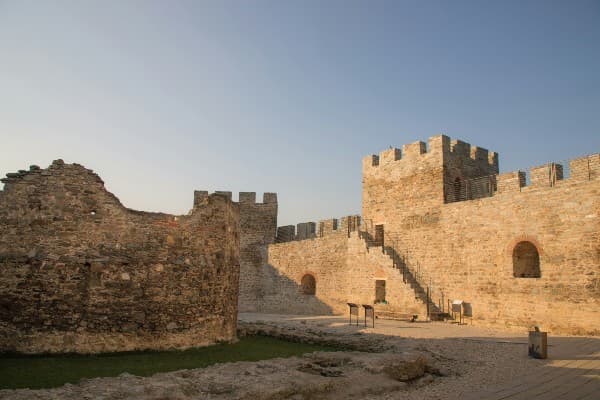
(394, 360)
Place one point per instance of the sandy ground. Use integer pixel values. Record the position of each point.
(471, 358)
(480, 362)
(394, 360)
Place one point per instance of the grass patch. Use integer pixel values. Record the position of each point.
(46, 371)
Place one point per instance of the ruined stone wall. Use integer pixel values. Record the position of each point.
(465, 249)
(81, 273)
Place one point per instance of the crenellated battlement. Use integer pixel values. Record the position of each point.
(440, 146)
(245, 198)
(428, 174)
(410, 151)
(551, 174)
(448, 171)
(311, 230)
(510, 181)
(585, 168)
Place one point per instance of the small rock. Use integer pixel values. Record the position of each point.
(405, 370)
(425, 380)
(171, 326)
(331, 373)
(433, 370)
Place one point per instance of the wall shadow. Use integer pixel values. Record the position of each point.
(279, 294)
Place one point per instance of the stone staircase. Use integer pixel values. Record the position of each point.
(403, 301)
(388, 255)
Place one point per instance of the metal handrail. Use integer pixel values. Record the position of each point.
(470, 189)
(412, 273)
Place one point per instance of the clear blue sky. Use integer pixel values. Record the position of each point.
(161, 98)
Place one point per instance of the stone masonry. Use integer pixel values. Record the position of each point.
(258, 224)
(82, 273)
(444, 220)
(345, 270)
(466, 249)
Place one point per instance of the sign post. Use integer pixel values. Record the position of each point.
(353, 311)
(538, 344)
(369, 311)
(457, 309)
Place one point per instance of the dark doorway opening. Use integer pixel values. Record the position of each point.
(526, 261)
(379, 291)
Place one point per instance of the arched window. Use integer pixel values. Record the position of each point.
(308, 285)
(526, 261)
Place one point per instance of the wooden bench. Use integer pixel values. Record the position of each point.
(439, 316)
(396, 316)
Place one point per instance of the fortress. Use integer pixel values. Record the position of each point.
(439, 223)
(80, 272)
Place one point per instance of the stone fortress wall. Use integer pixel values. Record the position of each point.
(82, 273)
(258, 224)
(448, 222)
(345, 269)
(469, 249)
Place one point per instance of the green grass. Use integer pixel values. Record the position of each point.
(46, 371)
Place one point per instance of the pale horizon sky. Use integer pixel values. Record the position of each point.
(161, 98)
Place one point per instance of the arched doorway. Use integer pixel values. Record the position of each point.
(526, 261)
(308, 285)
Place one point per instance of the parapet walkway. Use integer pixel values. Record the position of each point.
(572, 370)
